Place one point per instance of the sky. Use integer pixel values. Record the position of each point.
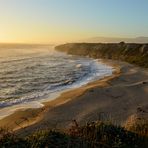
(53, 21)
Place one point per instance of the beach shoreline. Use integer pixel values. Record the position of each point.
(20, 115)
(117, 95)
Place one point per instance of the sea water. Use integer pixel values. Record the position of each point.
(28, 75)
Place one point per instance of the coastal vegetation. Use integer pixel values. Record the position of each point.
(130, 52)
(95, 134)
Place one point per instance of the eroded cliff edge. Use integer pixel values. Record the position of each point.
(129, 52)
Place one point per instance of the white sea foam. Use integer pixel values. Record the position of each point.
(29, 79)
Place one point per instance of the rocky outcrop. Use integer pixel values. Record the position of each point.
(130, 52)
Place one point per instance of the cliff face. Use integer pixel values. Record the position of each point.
(129, 52)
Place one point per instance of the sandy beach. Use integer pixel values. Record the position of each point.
(120, 98)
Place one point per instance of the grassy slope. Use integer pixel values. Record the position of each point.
(95, 134)
(132, 53)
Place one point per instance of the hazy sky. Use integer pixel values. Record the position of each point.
(45, 21)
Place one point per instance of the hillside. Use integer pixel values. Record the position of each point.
(94, 134)
(129, 52)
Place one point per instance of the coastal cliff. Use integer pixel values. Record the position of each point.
(129, 52)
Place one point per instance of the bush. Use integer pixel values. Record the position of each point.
(94, 134)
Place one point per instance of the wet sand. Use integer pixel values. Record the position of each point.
(115, 98)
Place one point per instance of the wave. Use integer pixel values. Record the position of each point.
(33, 78)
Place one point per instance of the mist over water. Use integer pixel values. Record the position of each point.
(34, 73)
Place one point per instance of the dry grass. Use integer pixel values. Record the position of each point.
(92, 135)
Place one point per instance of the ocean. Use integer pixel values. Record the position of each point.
(30, 75)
